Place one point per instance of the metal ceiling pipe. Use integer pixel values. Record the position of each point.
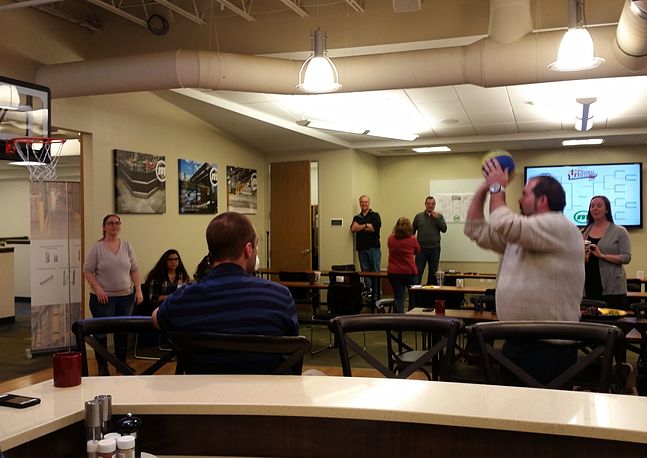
(485, 63)
(510, 20)
(631, 37)
(632, 28)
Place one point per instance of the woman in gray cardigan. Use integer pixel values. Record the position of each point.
(610, 249)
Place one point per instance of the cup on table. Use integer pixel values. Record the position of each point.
(440, 307)
(460, 282)
(67, 368)
(440, 278)
(587, 250)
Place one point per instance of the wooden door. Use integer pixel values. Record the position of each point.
(290, 225)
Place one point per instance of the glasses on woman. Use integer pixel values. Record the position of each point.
(172, 259)
(113, 223)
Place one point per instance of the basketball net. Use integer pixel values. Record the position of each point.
(39, 154)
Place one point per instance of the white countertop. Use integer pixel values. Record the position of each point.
(603, 416)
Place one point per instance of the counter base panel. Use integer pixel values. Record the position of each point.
(242, 435)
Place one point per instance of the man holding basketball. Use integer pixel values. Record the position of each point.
(541, 272)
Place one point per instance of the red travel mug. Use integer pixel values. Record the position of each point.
(440, 307)
(67, 368)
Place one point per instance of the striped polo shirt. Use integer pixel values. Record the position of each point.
(231, 301)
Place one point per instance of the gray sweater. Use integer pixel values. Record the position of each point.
(111, 270)
(615, 241)
(428, 229)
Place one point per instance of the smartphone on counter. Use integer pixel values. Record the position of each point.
(17, 401)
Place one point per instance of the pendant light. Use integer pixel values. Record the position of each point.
(318, 73)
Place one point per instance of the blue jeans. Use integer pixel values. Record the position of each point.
(430, 257)
(369, 261)
(400, 284)
(116, 306)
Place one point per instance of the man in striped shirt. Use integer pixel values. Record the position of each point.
(230, 299)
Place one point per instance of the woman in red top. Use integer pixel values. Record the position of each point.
(402, 270)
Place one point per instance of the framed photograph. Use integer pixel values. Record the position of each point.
(198, 187)
(140, 183)
(242, 185)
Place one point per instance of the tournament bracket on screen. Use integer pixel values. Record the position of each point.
(620, 183)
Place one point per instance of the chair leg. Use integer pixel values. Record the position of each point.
(141, 356)
(330, 346)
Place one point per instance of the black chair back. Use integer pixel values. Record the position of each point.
(247, 352)
(84, 330)
(440, 331)
(598, 344)
(343, 268)
(300, 295)
(640, 310)
(344, 293)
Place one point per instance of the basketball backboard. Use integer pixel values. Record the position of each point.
(24, 112)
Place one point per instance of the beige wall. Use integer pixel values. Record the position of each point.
(404, 184)
(145, 123)
(14, 204)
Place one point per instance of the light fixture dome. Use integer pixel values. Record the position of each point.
(576, 52)
(318, 73)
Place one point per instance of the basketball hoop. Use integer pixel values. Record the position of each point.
(39, 154)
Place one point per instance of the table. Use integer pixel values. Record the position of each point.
(304, 284)
(469, 316)
(468, 275)
(426, 295)
(198, 415)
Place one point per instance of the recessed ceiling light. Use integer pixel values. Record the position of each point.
(449, 121)
(432, 149)
(584, 141)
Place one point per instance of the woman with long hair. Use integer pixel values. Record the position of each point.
(112, 271)
(166, 277)
(610, 248)
(401, 269)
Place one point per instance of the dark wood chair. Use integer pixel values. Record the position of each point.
(344, 293)
(640, 310)
(300, 295)
(215, 353)
(343, 268)
(598, 344)
(84, 330)
(401, 359)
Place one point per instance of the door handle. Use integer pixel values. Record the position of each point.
(306, 251)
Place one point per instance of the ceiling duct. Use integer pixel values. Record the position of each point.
(406, 6)
(486, 63)
(632, 34)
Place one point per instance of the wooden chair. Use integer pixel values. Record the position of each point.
(343, 268)
(597, 344)
(215, 353)
(84, 330)
(401, 359)
(640, 310)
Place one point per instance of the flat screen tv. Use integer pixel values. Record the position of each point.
(621, 183)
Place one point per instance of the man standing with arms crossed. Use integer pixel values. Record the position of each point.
(366, 227)
(427, 226)
(541, 272)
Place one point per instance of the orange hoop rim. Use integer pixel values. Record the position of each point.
(36, 140)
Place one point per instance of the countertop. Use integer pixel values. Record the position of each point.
(580, 414)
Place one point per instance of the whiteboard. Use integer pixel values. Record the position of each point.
(455, 246)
